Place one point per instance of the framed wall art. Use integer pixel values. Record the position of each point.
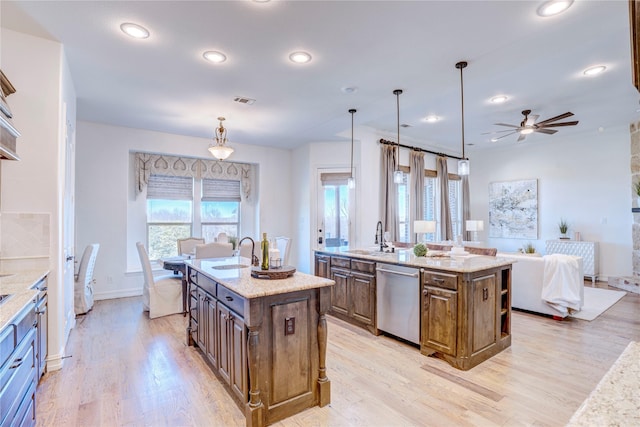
(513, 209)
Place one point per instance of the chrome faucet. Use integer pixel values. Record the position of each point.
(379, 234)
(254, 259)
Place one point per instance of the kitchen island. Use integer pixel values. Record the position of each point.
(266, 339)
(464, 301)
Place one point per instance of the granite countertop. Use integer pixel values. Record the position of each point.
(455, 263)
(240, 281)
(20, 286)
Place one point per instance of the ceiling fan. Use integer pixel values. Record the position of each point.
(529, 125)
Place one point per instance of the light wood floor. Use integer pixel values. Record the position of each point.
(126, 370)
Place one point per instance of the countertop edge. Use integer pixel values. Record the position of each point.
(20, 286)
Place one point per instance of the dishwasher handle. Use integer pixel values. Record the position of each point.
(399, 273)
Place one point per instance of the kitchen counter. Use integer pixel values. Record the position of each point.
(20, 287)
(456, 263)
(240, 281)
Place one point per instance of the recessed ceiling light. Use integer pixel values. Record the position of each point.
(431, 119)
(300, 57)
(554, 7)
(494, 139)
(134, 30)
(499, 99)
(592, 71)
(214, 56)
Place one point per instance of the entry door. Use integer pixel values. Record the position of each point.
(335, 209)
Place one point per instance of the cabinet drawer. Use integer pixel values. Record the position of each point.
(232, 300)
(16, 376)
(340, 262)
(207, 284)
(363, 266)
(440, 280)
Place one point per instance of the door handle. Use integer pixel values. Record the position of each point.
(399, 273)
(485, 294)
(69, 258)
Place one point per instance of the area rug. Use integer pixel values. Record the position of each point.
(596, 302)
(615, 400)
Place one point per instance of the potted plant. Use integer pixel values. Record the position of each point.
(528, 248)
(563, 226)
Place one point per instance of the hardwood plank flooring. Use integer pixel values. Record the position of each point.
(125, 370)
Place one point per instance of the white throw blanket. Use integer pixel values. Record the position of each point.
(561, 283)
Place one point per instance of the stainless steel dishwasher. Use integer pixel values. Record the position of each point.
(398, 301)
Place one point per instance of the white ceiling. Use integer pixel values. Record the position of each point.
(163, 83)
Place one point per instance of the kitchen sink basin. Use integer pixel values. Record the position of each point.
(229, 266)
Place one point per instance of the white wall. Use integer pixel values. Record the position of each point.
(37, 69)
(107, 211)
(584, 179)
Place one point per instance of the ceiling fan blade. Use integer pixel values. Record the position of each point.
(553, 119)
(553, 125)
(503, 136)
(531, 119)
(504, 124)
(547, 131)
(497, 131)
(522, 137)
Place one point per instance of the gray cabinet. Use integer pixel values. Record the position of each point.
(42, 325)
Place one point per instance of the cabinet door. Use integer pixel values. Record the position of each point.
(439, 319)
(339, 297)
(224, 334)
(211, 332)
(484, 312)
(41, 311)
(362, 297)
(238, 356)
(322, 266)
(202, 320)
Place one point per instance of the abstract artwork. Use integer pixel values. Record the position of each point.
(513, 209)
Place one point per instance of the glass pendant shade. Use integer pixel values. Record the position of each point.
(398, 177)
(220, 152)
(463, 167)
(351, 183)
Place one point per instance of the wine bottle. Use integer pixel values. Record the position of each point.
(264, 246)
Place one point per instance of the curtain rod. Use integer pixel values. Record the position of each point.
(384, 141)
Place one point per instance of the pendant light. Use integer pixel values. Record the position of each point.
(463, 163)
(351, 182)
(397, 174)
(220, 150)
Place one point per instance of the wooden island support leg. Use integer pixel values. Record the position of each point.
(254, 410)
(324, 385)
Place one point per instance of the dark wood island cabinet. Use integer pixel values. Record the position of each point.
(266, 339)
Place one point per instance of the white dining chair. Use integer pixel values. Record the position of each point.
(188, 246)
(283, 244)
(83, 289)
(161, 295)
(214, 250)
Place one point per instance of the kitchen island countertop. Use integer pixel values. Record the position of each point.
(19, 286)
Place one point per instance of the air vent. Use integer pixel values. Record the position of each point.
(404, 125)
(243, 100)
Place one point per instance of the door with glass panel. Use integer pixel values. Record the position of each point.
(335, 210)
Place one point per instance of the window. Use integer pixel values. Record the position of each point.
(169, 213)
(403, 209)
(220, 208)
(335, 209)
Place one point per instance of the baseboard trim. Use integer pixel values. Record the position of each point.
(54, 363)
(122, 293)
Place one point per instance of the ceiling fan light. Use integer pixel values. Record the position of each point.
(554, 7)
(526, 131)
(463, 167)
(593, 71)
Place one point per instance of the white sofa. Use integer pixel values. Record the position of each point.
(526, 283)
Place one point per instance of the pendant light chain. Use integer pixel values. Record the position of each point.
(463, 163)
(351, 181)
(397, 174)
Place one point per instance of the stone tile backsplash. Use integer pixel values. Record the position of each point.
(24, 235)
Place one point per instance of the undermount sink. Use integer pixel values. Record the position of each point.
(229, 266)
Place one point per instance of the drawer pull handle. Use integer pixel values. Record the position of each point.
(16, 364)
(228, 298)
(438, 280)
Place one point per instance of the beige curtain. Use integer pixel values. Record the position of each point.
(416, 189)
(388, 197)
(446, 230)
(466, 210)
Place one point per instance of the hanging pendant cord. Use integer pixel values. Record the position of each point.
(353, 110)
(397, 93)
(460, 66)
